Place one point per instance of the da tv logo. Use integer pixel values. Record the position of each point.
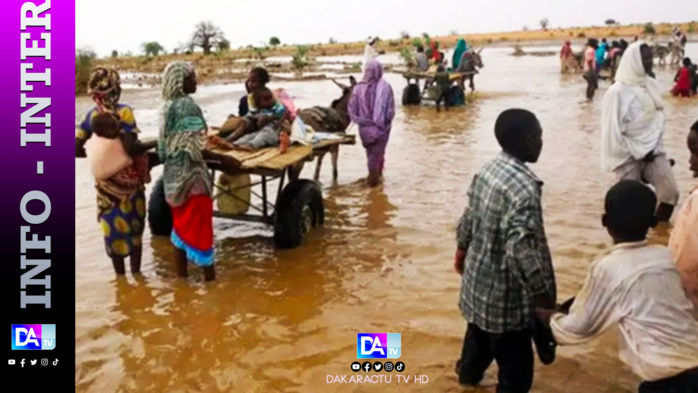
(378, 345)
(33, 337)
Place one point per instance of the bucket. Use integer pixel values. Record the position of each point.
(237, 185)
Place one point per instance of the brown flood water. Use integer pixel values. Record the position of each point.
(282, 321)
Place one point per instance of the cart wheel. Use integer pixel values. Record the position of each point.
(159, 213)
(456, 96)
(299, 210)
(411, 95)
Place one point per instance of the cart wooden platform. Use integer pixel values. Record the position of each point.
(298, 206)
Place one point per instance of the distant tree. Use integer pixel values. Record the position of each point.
(611, 22)
(525, 28)
(332, 40)
(274, 41)
(206, 36)
(404, 35)
(223, 45)
(114, 53)
(152, 48)
(649, 28)
(453, 32)
(544, 23)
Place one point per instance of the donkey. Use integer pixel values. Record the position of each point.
(660, 52)
(471, 64)
(334, 118)
(677, 53)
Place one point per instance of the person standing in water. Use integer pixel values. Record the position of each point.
(503, 259)
(637, 287)
(601, 52)
(188, 188)
(684, 237)
(120, 198)
(632, 129)
(683, 80)
(589, 68)
(372, 108)
(565, 55)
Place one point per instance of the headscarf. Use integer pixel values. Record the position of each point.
(371, 99)
(618, 144)
(461, 47)
(173, 90)
(104, 87)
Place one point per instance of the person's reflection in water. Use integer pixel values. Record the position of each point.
(379, 210)
(169, 333)
(134, 303)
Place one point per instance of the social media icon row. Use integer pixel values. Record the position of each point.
(33, 362)
(377, 367)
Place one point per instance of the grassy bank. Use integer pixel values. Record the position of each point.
(223, 66)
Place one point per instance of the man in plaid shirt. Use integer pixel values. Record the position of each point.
(504, 259)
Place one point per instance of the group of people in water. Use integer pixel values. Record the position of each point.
(121, 163)
(599, 56)
(509, 294)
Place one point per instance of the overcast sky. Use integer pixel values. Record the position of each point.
(123, 25)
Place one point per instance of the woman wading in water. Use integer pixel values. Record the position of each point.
(372, 108)
(188, 187)
(121, 195)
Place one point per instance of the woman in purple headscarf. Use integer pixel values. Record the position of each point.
(372, 108)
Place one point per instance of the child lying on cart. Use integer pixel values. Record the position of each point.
(261, 125)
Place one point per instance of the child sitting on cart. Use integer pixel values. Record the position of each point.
(262, 124)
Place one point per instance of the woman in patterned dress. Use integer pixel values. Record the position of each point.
(120, 198)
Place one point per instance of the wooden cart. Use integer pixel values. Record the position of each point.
(298, 206)
(414, 94)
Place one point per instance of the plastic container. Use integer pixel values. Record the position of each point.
(239, 186)
(284, 141)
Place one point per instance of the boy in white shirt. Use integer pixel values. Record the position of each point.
(637, 286)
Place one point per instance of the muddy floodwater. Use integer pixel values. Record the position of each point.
(282, 321)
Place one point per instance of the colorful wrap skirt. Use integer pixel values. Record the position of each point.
(192, 229)
(122, 222)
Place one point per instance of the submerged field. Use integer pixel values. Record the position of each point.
(323, 62)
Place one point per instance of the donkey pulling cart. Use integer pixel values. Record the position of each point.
(298, 205)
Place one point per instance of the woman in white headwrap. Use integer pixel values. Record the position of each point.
(632, 128)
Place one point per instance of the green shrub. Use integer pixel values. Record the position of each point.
(84, 58)
(649, 29)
